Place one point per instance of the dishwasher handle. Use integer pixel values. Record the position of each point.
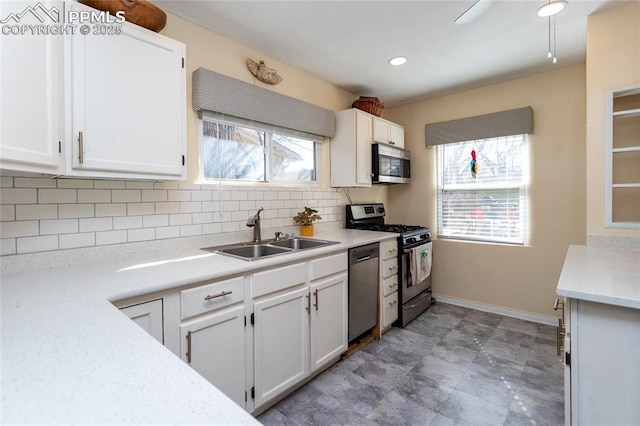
(363, 258)
(364, 253)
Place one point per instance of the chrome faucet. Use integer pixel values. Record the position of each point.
(254, 222)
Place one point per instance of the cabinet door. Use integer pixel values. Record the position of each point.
(30, 96)
(389, 309)
(363, 149)
(214, 347)
(380, 131)
(148, 315)
(329, 321)
(128, 105)
(281, 343)
(396, 135)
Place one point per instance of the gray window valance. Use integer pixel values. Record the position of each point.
(221, 94)
(504, 123)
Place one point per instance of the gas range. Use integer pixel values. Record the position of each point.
(370, 217)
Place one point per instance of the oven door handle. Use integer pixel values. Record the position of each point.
(407, 249)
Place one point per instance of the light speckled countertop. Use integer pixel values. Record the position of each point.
(601, 275)
(70, 357)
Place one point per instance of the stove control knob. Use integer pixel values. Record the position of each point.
(381, 210)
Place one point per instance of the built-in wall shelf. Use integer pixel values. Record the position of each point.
(622, 188)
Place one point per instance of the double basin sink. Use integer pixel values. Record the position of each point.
(268, 248)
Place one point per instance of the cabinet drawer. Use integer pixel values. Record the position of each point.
(389, 249)
(212, 296)
(327, 266)
(389, 268)
(278, 279)
(390, 285)
(390, 309)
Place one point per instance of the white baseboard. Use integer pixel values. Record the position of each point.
(507, 312)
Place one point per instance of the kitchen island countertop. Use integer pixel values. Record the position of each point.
(69, 356)
(601, 275)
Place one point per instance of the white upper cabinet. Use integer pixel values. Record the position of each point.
(127, 105)
(388, 133)
(30, 97)
(351, 149)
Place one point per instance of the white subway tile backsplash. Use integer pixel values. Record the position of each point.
(7, 246)
(34, 244)
(141, 234)
(96, 224)
(230, 206)
(191, 207)
(94, 196)
(180, 219)
(190, 230)
(167, 232)
(77, 240)
(200, 195)
(40, 214)
(126, 196)
(103, 210)
(139, 185)
(178, 195)
(149, 195)
(57, 196)
(202, 218)
(18, 196)
(155, 220)
(167, 208)
(19, 229)
(111, 237)
(109, 184)
(75, 210)
(211, 228)
(138, 209)
(75, 183)
(58, 226)
(36, 211)
(24, 182)
(128, 222)
(7, 213)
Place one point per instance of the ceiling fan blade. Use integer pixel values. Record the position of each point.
(474, 11)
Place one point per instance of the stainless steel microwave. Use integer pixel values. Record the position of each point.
(390, 164)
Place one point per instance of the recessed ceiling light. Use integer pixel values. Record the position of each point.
(551, 8)
(398, 60)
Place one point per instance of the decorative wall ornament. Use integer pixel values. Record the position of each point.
(262, 72)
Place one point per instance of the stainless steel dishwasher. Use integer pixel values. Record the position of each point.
(363, 289)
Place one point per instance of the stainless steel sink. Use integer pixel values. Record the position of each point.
(300, 243)
(267, 248)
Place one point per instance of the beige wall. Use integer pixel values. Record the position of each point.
(217, 53)
(516, 277)
(613, 60)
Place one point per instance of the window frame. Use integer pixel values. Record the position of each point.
(523, 185)
(269, 130)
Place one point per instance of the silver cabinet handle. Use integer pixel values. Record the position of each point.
(560, 333)
(215, 296)
(393, 303)
(392, 143)
(393, 268)
(308, 308)
(395, 250)
(188, 347)
(558, 305)
(393, 285)
(316, 295)
(80, 147)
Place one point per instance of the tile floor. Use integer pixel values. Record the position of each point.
(451, 366)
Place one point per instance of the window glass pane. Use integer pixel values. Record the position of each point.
(294, 159)
(490, 206)
(232, 152)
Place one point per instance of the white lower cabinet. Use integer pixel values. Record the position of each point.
(602, 365)
(329, 320)
(147, 315)
(388, 284)
(281, 336)
(214, 347)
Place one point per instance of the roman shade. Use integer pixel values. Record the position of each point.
(504, 123)
(217, 93)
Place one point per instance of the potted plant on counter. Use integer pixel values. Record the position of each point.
(305, 219)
